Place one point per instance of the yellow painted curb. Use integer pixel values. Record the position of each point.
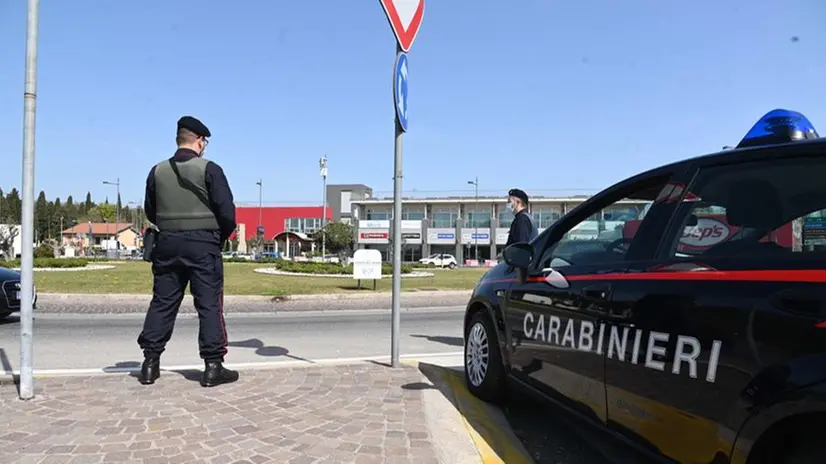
(495, 442)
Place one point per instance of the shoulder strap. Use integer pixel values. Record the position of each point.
(188, 185)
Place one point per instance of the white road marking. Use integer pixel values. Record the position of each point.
(447, 358)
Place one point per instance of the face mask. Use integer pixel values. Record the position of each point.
(510, 207)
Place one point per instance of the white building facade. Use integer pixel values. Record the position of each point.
(473, 230)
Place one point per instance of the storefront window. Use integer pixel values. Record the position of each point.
(378, 215)
(444, 218)
(412, 214)
(478, 218)
(505, 216)
(302, 225)
(544, 217)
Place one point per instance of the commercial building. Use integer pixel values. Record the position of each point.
(289, 229)
(285, 229)
(468, 228)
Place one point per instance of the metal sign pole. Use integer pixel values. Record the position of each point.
(397, 227)
(27, 216)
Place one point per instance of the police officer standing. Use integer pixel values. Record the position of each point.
(522, 228)
(189, 200)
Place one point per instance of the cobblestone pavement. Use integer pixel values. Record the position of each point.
(360, 413)
(137, 304)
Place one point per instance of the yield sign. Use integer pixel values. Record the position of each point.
(405, 18)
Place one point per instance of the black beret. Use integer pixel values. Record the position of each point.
(521, 195)
(194, 125)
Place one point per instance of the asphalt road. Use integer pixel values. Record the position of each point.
(552, 437)
(64, 341)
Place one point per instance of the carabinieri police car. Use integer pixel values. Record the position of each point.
(693, 327)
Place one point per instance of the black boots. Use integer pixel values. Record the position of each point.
(150, 371)
(216, 374)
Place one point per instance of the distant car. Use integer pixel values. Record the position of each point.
(268, 255)
(235, 254)
(440, 260)
(10, 292)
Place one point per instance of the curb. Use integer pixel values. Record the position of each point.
(487, 427)
(485, 424)
(405, 360)
(273, 298)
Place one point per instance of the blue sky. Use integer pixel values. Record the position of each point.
(545, 95)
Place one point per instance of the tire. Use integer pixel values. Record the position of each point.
(484, 370)
(451, 266)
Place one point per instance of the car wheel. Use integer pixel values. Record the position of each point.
(484, 370)
(451, 266)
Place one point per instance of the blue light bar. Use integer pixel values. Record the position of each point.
(779, 126)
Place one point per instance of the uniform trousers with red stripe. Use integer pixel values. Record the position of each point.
(182, 258)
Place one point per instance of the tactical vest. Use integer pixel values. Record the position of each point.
(178, 207)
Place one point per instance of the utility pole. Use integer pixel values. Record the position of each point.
(259, 231)
(322, 164)
(475, 184)
(26, 391)
(117, 208)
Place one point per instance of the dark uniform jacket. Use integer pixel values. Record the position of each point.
(522, 229)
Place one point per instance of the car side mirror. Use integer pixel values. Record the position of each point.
(518, 255)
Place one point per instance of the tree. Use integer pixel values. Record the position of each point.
(339, 237)
(101, 213)
(7, 236)
(12, 207)
(41, 216)
(69, 210)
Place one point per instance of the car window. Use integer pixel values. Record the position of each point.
(606, 234)
(762, 208)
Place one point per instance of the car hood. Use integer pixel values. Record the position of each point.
(8, 274)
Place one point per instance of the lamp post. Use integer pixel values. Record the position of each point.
(322, 165)
(258, 231)
(117, 205)
(475, 184)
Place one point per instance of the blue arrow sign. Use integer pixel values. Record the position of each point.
(400, 90)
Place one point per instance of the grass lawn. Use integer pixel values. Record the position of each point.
(240, 279)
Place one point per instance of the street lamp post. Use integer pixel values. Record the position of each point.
(322, 164)
(475, 184)
(26, 390)
(117, 205)
(258, 231)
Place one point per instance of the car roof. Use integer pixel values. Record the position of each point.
(736, 155)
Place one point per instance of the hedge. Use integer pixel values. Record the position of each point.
(329, 268)
(313, 267)
(62, 263)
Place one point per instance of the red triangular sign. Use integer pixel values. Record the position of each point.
(405, 17)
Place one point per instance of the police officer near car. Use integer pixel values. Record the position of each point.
(189, 201)
(522, 228)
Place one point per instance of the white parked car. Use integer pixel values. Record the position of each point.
(440, 260)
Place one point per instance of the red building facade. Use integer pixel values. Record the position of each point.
(277, 219)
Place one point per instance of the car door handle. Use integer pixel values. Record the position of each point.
(599, 292)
